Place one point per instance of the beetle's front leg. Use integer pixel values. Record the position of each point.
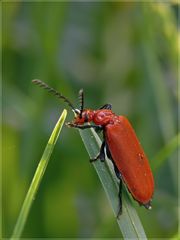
(101, 154)
(82, 126)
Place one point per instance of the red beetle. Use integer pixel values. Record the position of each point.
(122, 147)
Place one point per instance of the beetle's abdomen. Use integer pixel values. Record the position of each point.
(130, 159)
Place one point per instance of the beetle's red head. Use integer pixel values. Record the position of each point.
(83, 117)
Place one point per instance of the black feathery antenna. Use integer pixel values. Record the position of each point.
(81, 102)
(54, 92)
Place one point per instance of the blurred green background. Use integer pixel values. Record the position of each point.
(119, 53)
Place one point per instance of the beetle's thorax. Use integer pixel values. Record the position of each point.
(103, 117)
(99, 117)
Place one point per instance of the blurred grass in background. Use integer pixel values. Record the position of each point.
(120, 53)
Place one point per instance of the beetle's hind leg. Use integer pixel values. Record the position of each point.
(101, 154)
(120, 198)
(118, 174)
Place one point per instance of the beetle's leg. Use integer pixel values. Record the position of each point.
(101, 154)
(81, 126)
(120, 199)
(98, 129)
(106, 106)
(118, 174)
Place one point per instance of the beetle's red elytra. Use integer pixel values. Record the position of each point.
(122, 147)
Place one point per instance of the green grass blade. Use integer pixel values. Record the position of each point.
(38, 177)
(166, 152)
(129, 222)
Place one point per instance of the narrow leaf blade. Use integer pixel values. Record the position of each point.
(30, 196)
